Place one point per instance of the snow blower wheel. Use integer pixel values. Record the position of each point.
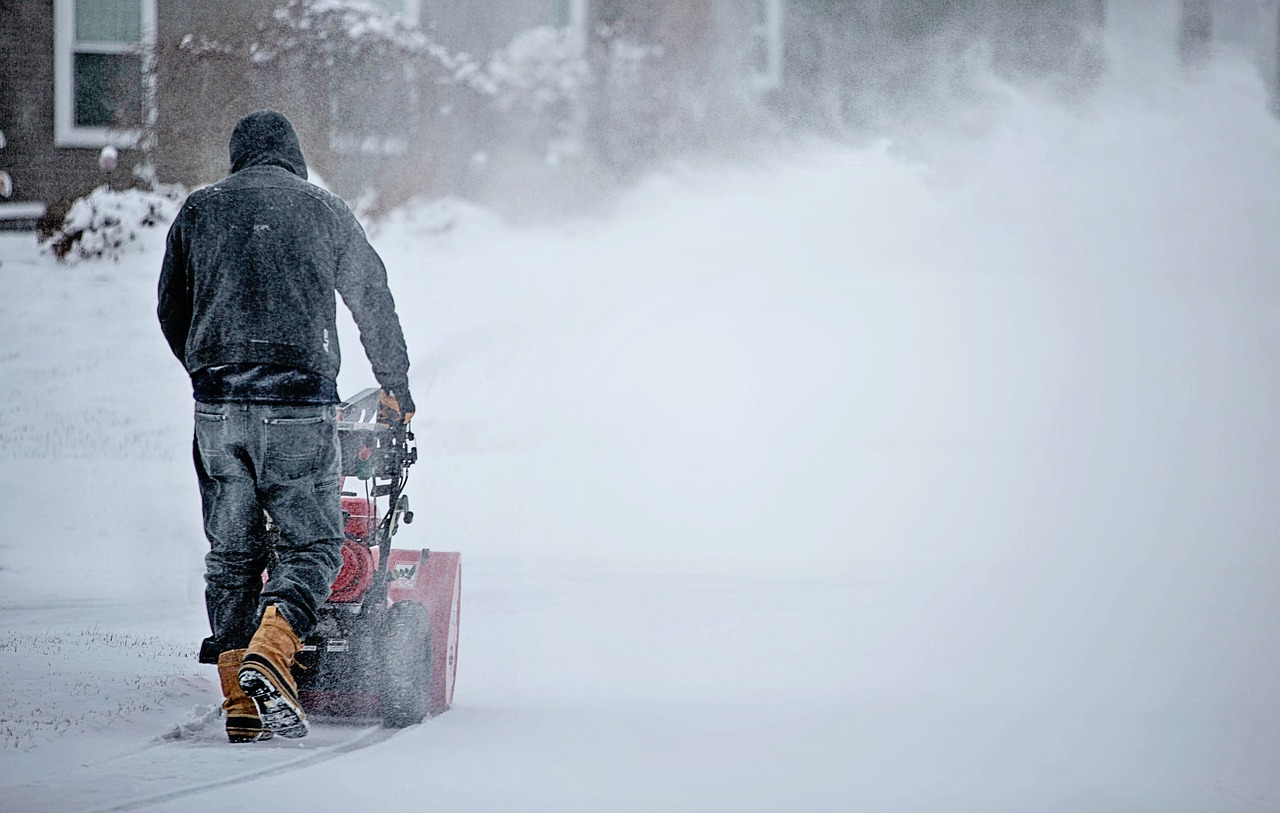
(406, 665)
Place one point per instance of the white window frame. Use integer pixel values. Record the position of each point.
(770, 31)
(65, 131)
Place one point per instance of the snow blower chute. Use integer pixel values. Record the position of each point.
(386, 645)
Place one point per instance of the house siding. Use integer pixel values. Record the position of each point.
(200, 98)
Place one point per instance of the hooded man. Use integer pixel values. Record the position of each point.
(247, 304)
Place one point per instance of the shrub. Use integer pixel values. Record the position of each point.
(105, 223)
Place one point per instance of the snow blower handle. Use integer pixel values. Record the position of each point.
(401, 452)
(398, 452)
(395, 406)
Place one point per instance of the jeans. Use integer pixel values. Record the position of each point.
(283, 460)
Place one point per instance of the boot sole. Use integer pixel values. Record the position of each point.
(280, 713)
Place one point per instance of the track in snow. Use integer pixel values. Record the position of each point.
(171, 769)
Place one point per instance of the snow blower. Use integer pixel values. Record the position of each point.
(386, 645)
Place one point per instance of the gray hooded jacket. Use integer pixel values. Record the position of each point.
(252, 264)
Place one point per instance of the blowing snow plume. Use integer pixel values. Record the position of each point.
(1017, 380)
(1026, 341)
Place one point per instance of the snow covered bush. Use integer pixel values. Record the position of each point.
(106, 222)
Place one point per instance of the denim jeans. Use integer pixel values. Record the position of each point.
(283, 460)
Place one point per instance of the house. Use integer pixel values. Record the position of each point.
(71, 83)
(163, 81)
(81, 75)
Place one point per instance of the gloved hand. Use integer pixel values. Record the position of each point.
(395, 406)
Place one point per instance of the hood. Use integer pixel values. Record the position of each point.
(266, 138)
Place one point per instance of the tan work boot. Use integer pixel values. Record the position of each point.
(243, 723)
(265, 676)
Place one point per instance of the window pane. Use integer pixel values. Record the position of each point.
(108, 90)
(108, 21)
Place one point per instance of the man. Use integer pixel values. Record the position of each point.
(247, 305)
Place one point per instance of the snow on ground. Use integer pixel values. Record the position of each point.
(846, 481)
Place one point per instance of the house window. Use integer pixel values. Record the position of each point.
(101, 92)
(765, 54)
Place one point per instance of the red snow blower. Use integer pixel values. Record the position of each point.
(386, 645)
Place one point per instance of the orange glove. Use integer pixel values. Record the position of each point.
(395, 407)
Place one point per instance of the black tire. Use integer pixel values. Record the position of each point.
(406, 664)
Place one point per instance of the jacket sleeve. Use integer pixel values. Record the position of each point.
(174, 307)
(362, 283)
